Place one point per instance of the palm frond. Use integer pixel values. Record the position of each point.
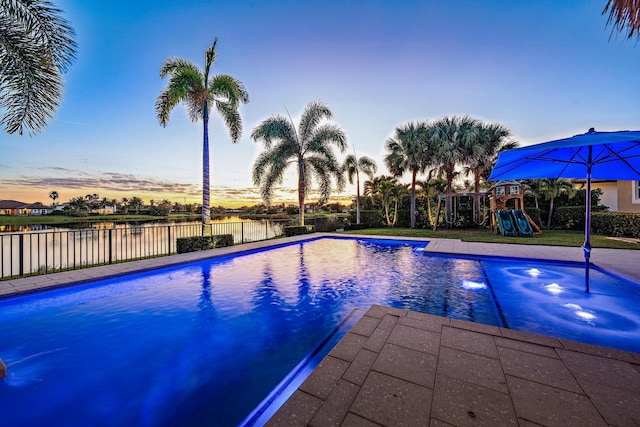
(327, 133)
(624, 16)
(209, 58)
(274, 128)
(232, 119)
(228, 88)
(172, 65)
(312, 115)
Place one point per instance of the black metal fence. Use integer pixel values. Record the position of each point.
(41, 252)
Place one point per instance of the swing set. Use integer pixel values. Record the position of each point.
(463, 202)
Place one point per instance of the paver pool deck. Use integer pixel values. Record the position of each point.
(397, 367)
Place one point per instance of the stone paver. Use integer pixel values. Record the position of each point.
(426, 372)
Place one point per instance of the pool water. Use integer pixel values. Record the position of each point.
(203, 343)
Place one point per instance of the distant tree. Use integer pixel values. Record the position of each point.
(554, 187)
(409, 151)
(353, 166)
(135, 204)
(308, 147)
(36, 46)
(53, 196)
(193, 87)
(454, 142)
(624, 15)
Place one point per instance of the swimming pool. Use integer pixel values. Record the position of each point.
(205, 342)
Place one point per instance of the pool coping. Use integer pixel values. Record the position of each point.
(621, 262)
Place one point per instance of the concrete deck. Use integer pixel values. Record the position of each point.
(403, 368)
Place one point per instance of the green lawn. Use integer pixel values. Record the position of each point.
(551, 237)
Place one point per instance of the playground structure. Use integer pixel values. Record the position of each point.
(510, 221)
(463, 201)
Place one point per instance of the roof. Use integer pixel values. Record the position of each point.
(11, 204)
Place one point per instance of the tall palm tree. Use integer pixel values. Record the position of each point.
(308, 147)
(390, 193)
(454, 142)
(492, 138)
(353, 166)
(54, 196)
(36, 46)
(199, 92)
(409, 150)
(624, 15)
(554, 187)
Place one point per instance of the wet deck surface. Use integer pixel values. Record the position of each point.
(402, 368)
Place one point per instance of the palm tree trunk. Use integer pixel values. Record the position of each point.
(550, 212)
(448, 207)
(357, 197)
(301, 190)
(412, 220)
(206, 209)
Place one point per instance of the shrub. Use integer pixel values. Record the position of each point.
(201, 243)
(368, 218)
(297, 230)
(618, 224)
(327, 222)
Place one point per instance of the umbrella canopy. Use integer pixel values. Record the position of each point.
(593, 155)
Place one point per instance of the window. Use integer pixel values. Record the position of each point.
(500, 191)
(636, 192)
(514, 189)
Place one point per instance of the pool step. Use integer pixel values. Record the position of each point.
(3, 369)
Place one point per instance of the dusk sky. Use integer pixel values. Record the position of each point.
(545, 69)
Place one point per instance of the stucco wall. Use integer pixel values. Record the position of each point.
(626, 202)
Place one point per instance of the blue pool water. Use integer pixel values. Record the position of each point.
(203, 343)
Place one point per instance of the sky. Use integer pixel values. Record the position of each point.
(546, 69)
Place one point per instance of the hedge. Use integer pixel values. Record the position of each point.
(201, 243)
(618, 224)
(368, 218)
(297, 230)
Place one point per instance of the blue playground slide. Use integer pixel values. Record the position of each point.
(506, 223)
(522, 223)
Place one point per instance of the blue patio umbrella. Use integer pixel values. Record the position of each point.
(593, 155)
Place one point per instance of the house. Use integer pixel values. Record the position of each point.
(619, 196)
(96, 206)
(11, 207)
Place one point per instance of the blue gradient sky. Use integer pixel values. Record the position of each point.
(545, 69)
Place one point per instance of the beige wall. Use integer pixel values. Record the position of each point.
(626, 200)
(610, 194)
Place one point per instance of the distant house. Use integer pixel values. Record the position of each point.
(34, 209)
(11, 207)
(619, 196)
(96, 207)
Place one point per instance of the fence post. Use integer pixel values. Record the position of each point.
(266, 229)
(169, 239)
(21, 249)
(110, 245)
(242, 232)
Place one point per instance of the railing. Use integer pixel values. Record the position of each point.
(41, 252)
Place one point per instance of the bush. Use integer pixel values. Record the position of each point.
(201, 243)
(368, 218)
(297, 230)
(326, 223)
(618, 224)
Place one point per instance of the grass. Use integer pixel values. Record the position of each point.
(547, 237)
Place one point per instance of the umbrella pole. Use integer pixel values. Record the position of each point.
(587, 228)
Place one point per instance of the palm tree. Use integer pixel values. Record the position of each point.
(36, 46)
(54, 196)
(454, 143)
(492, 139)
(624, 15)
(554, 187)
(535, 187)
(135, 203)
(409, 150)
(194, 88)
(390, 192)
(353, 166)
(309, 147)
